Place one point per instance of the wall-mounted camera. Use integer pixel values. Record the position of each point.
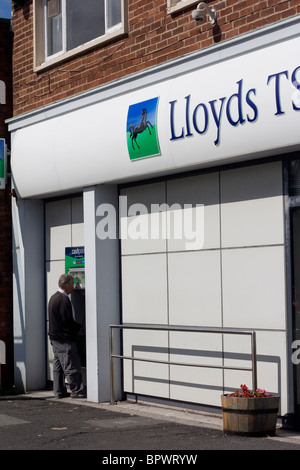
(200, 13)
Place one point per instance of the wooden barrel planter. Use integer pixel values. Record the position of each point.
(250, 416)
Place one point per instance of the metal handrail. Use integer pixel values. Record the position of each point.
(230, 331)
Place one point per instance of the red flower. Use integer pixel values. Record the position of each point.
(244, 392)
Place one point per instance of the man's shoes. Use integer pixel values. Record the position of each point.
(78, 395)
(64, 395)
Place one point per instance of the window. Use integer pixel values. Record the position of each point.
(2, 92)
(65, 27)
(177, 5)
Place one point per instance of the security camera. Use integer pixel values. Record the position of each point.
(199, 14)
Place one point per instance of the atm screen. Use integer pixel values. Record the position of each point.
(79, 278)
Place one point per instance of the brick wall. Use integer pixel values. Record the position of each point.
(6, 309)
(154, 37)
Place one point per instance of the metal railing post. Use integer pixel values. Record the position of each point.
(254, 362)
(112, 384)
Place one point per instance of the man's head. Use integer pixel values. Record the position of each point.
(66, 283)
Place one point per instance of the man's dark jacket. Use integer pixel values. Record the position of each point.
(62, 326)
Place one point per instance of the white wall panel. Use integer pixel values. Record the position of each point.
(144, 289)
(58, 228)
(54, 270)
(195, 288)
(254, 287)
(140, 377)
(77, 222)
(196, 384)
(252, 206)
(201, 189)
(143, 234)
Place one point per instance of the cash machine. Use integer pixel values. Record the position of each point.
(75, 265)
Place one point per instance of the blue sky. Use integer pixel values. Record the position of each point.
(5, 8)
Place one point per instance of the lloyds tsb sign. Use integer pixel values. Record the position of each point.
(239, 108)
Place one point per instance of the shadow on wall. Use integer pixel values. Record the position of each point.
(185, 354)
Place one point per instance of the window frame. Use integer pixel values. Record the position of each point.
(42, 62)
(47, 56)
(174, 6)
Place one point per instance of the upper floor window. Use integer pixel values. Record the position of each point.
(177, 5)
(64, 27)
(2, 92)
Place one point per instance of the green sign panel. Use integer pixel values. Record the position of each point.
(74, 258)
(2, 163)
(142, 136)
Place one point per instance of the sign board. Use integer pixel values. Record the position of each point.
(2, 163)
(75, 264)
(225, 111)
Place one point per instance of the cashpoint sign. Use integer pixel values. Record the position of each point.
(75, 264)
(2, 163)
(74, 257)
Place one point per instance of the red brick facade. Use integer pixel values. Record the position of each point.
(154, 36)
(6, 308)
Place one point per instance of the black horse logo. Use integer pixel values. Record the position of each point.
(139, 128)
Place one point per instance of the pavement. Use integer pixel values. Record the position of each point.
(136, 431)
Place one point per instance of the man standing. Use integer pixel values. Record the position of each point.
(63, 332)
